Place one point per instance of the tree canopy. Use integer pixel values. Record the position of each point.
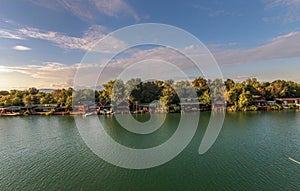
(238, 95)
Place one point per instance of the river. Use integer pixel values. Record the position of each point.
(254, 151)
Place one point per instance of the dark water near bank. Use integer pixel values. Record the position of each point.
(251, 153)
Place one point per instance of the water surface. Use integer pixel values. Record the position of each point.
(251, 153)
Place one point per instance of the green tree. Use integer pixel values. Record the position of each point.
(245, 99)
(118, 91)
(205, 99)
(200, 85)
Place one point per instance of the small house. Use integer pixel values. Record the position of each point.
(122, 107)
(189, 104)
(287, 101)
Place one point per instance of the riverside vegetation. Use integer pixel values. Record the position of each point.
(239, 95)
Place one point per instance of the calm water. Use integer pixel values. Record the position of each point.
(251, 153)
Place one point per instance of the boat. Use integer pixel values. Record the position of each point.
(10, 114)
(295, 161)
(89, 114)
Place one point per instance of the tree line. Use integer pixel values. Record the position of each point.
(238, 95)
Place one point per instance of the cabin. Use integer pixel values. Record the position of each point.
(61, 110)
(10, 111)
(218, 105)
(93, 108)
(122, 107)
(13, 109)
(271, 102)
(189, 104)
(260, 102)
(287, 101)
(143, 107)
(16, 110)
(155, 106)
(78, 109)
(104, 108)
(43, 109)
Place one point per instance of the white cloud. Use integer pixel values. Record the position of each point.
(216, 47)
(21, 48)
(9, 34)
(89, 10)
(114, 8)
(78, 8)
(214, 12)
(284, 46)
(44, 75)
(86, 42)
(291, 9)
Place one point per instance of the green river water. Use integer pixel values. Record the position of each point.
(252, 152)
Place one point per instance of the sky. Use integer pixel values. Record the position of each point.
(43, 44)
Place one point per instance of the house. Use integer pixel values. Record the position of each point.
(143, 107)
(260, 102)
(78, 109)
(10, 110)
(122, 107)
(17, 110)
(218, 105)
(189, 104)
(287, 101)
(104, 108)
(155, 106)
(271, 102)
(61, 110)
(43, 109)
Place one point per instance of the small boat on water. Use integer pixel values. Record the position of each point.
(10, 114)
(295, 161)
(89, 114)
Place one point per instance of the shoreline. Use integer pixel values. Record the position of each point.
(90, 113)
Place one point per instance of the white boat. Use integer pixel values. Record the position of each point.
(89, 114)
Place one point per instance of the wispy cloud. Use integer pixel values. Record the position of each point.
(47, 74)
(9, 34)
(214, 12)
(114, 8)
(291, 9)
(21, 48)
(86, 42)
(216, 47)
(284, 46)
(89, 10)
(78, 8)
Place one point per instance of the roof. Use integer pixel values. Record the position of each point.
(13, 108)
(286, 99)
(189, 99)
(28, 106)
(144, 104)
(45, 107)
(124, 103)
(189, 103)
(219, 102)
(259, 100)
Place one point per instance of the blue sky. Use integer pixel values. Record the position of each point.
(43, 42)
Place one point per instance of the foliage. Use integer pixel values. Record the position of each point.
(238, 95)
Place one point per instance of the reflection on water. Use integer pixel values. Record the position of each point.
(251, 153)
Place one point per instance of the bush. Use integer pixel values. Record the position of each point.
(232, 108)
(252, 108)
(49, 113)
(26, 113)
(276, 107)
(292, 106)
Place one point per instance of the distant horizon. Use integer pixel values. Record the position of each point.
(100, 87)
